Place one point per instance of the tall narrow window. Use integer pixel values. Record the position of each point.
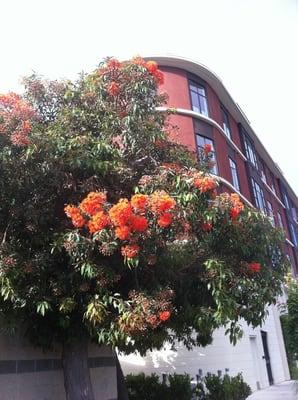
(225, 122)
(279, 220)
(234, 173)
(294, 235)
(198, 98)
(250, 152)
(270, 212)
(258, 195)
(201, 141)
(262, 170)
(272, 185)
(286, 200)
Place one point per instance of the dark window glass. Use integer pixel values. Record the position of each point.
(250, 152)
(272, 183)
(286, 200)
(234, 173)
(198, 98)
(226, 123)
(294, 234)
(262, 170)
(279, 220)
(258, 195)
(201, 141)
(270, 212)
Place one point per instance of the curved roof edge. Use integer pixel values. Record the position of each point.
(217, 85)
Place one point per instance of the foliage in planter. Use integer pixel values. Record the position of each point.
(109, 232)
(179, 387)
(149, 387)
(226, 387)
(145, 387)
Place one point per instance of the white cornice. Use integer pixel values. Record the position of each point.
(230, 186)
(210, 121)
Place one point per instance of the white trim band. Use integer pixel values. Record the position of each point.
(210, 121)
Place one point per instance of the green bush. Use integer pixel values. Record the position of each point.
(180, 387)
(142, 387)
(226, 387)
(212, 387)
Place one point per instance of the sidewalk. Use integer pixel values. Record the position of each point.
(284, 391)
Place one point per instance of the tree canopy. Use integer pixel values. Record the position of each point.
(111, 230)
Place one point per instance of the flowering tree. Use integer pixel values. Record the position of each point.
(113, 234)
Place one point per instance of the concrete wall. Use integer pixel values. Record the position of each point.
(28, 373)
(221, 355)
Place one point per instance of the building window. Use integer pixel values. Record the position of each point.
(234, 173)
(279, 220)
(262, 170)
(295, 213)
(270, 212)
(258, 195)
(272, 183)
(201, 141)
(226, 123)
(294, 235)
(250, 152)
(198, 98)
(286, 200)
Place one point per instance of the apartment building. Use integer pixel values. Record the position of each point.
(205, 112)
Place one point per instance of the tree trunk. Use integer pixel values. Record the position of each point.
(121, 387)
(77, 381)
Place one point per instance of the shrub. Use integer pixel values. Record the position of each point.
(226, 388)
(180, 387)
(212, 387)
(142, 387)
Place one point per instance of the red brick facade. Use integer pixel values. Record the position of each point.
(178, 73)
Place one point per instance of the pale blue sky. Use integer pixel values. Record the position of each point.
(251, 44)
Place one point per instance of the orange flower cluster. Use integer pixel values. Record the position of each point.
(93, 203)
(207, 148)
(92, 207)
(121, 213)
(139, 202)
(152, 68)
(98, 222)
(76, 217)
(164, 315)
(113, 63)
(254, 267)
(161, 202)
(113, 89)
(15, 116)
(130, 250)
(165, 220)
(126, 219)
(204, 183)
(237, 206)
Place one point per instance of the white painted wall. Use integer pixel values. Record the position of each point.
(48, 385)
(221, 355)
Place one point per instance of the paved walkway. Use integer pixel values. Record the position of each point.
(284, 391)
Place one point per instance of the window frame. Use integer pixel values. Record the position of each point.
(250, 151)
(226, 122)
(235, 169)
(207, 140)
(257, 189)
(270, 211)
(294, 234)
(192, 82)
(279, 220)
